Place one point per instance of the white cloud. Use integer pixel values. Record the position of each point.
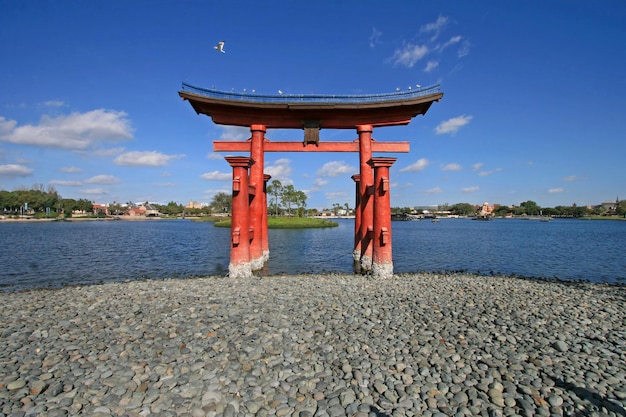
(375, 38)
(77, 131)
(94, 191)
(66, 183)
(14, 170)
(452, 125)
(464, 49)
(555, 190)
(335, 169)
(435, 27)
(571, 178)
(337, 196)
(417, 166)
(451, 167)
(435, 190)
(431, 65)
(235, 133)
(469, 190)
(215, 156)
(54, 103)
(477, 166)
(221, 190)
(147, 158)
(409, 54)
(102, 180)
(70, 170)
(487, 173)
(217, 176)
(6, 126)
(280, 170)
(451, 41)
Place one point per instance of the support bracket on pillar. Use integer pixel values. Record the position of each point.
(384, 236)
(235, 236)
(385, 184)
(236, 184)
(370, 231)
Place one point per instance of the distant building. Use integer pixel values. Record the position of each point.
(193, 205)
(610, 207)
(137, 211)
(151, 211)
(146, 210)
(485, 209)
(100, 209)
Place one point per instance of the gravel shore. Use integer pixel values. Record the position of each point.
(315, 345)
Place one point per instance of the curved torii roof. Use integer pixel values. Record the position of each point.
(297, 111)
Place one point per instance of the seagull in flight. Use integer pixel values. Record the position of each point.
(220, 47)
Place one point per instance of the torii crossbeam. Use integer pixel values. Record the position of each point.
(249, 244)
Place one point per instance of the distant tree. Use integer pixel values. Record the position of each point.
(84, 205)
(312, 212)
(300, 201)
(530, 208)
(288, 197)
(171, 209)
(501, 211)
(115, 209)
(275, 189)
(549, 211)
(462, 209)
(222, 203)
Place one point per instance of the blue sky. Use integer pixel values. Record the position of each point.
(533, 108)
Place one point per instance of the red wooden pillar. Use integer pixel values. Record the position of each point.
(357, 219)
(367, 202)
(239, 266)
(266, 244)
(382, 257)
(256, 204)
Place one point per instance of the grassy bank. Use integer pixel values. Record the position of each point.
(287, 223)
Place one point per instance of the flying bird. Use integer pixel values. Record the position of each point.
(220, 47)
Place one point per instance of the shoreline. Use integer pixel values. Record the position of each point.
(306, 345)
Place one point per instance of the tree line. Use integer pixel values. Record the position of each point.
(526, 208)
(282, 200)
(40, 199)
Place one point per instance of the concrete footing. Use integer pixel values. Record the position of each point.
(383, 270)
(243, 270)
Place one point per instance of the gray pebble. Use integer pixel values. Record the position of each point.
(324, 345)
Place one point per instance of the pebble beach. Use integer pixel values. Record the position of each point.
(316, 345)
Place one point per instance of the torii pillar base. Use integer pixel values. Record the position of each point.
(356, 254)
(239, 266)
(382, 256)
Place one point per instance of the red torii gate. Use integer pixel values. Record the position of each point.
(249, 243)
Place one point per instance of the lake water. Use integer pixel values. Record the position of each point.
(52, 254)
